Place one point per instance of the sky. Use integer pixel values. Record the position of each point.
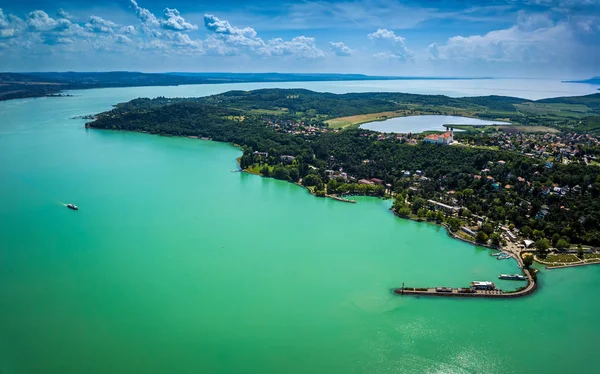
(444, 38)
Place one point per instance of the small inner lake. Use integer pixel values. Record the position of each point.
(416, 124)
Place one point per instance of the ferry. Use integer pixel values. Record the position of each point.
(512, 277)
(73, 207)
(485, 285)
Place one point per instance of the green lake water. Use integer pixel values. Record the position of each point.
(174, 264)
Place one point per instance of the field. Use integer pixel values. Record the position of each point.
(507, 128)
(564, 258)
(354, 121)
(558, 110)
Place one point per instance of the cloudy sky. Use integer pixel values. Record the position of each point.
(500, 38)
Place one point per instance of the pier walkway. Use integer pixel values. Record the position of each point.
(490, 294)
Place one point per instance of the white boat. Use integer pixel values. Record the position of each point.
(512, 277)
(73, 207)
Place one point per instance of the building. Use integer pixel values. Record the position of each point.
(445, 138)
(376, 180)
(287, 159)
(366, 181)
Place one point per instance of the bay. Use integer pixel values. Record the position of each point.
(175, 264)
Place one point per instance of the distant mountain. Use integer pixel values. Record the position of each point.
(21, 85)
(594, 80)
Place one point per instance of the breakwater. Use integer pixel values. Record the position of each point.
(468, 292)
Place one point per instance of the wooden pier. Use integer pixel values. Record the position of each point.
(490, 294)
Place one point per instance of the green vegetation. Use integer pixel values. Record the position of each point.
(561, 258)
(287, 146)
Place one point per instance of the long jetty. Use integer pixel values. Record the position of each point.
(454, 292)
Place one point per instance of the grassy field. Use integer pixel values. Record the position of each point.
(354, 121)
(507, 128)
(589, 256)
(564, 258)
(558, 110)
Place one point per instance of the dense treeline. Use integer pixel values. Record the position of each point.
(453, 175)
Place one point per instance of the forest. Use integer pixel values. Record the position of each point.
(516, 191)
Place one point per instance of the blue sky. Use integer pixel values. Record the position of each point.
(501, 38)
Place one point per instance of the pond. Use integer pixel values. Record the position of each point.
(416, 124)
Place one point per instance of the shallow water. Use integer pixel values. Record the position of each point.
(175, 264)
(416, 124)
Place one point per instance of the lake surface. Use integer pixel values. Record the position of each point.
(173, 264)
(416, 124)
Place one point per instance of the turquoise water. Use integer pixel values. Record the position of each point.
(416, 124)
(173, 264)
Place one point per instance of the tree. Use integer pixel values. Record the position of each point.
(526, 231)
(421, 212)
(294, 174)
(454, 223)
(265, 171)
(527, 261)
(495, 238)
(580, 251)
(281, 172)
(542, 245)
(562, 244)
(481, 237)
(487, 228)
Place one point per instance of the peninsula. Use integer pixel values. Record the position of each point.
(504, 186)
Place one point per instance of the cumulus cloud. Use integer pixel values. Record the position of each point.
(534, 38)
(40, 21)
(174, 21)
(128, 30)
(99, 24)
(61, 13)
(340, 49)
(384, 34)
(300, 46)
(145, 15)
(217, 26)
(231, 40)
(388, 38)
(10, 25)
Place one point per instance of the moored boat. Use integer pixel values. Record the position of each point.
(512, 277)
(483, 285)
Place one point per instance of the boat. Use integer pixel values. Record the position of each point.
(512, 277)
(483, 285)
(73, 207)
(496, 254)
(503, 256)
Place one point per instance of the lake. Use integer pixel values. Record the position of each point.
(173, 264)
(416, 124)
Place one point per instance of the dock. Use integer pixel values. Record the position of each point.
(469, 292)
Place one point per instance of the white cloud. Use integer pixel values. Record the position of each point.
(40, 21)
(231, 40)
(300, 46)
(388, 38)
(145, 15)
(340, 49)
(61, 13)
(384, 34)
(217, 26)
(128, 30)
(534, 38)
(10, 25)
(99, 24)
(122, 39)
(174, 21)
